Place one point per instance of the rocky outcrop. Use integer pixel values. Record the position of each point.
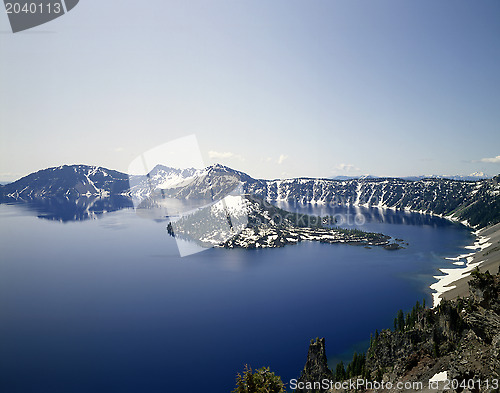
(316, 368)
(461, 338)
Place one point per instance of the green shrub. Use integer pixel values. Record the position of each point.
(258, 381)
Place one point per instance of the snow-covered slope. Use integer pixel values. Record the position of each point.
(161, 178)
(69, 181)
(211, 183)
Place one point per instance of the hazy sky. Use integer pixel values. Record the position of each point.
(273, 88)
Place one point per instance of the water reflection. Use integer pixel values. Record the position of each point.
(164, 209)
(72, 209)
(349, 215)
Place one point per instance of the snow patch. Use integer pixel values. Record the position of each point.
(439, 377)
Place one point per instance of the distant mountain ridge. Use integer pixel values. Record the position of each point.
(476, 203)
(472, 177)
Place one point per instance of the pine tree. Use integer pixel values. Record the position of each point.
(340, 373)
(258, 381)
(399, 322)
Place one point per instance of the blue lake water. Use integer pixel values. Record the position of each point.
(107, 305)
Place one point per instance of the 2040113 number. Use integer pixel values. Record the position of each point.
(471, 384)
(33, 8)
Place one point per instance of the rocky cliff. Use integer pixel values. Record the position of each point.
(454, 347)
(476, 203)
(461, 338)
(315, 370)
(456, 343)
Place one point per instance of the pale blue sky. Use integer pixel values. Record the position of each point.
(273, 88)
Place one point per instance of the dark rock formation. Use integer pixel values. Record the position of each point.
(316, 368)
(461, 337)
(393, 246)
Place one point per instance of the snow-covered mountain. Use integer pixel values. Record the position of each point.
(211, 183)
(160, 178)
(475, 202)
(69, 181)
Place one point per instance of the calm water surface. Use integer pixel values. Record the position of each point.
(107, 305)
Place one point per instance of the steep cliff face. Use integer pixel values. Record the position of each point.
(460, 338)
(477, 203)
(316, 368)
